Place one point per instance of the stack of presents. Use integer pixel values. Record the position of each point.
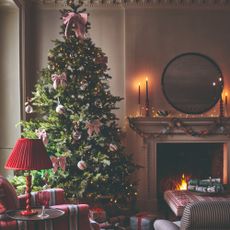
(140, 221)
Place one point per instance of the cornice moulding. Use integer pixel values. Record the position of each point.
(213, 4)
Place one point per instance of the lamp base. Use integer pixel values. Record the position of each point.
(28, 212)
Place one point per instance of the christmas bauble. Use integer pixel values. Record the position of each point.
(98, 103)
(112, 147)
(81, 165)
(28, 108)
(60, 109)
(76, 135)
(84, 84)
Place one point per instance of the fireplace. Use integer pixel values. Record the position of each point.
(162, 147)
(187, 160)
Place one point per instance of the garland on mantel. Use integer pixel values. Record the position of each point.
(217, 128)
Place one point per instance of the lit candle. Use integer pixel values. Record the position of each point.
(147, 99)
(226, 98)
(147, 90)
(139, 93)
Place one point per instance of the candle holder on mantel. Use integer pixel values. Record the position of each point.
(221, 115)
(147, 108)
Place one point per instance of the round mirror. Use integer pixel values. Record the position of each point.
(192, 83)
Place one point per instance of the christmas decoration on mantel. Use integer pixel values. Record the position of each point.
(216, 126)
(72, 105)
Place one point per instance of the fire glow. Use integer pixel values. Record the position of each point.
(182, 185)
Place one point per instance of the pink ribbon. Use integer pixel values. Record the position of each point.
(76, 22)
(41, 134)
(58, 162)
(140, 216)
(59, 80)
(93, 126)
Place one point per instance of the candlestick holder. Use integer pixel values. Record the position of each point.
(225, 110)
(221, 115)
(139, 110)
(147, 108)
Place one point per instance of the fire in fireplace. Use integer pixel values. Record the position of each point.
(178, 162)
(183, 183)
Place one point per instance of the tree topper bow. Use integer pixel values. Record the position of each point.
(77, 22)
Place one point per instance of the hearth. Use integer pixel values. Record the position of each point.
(178, 162)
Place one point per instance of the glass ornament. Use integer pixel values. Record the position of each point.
(98, 103)
(76, 135)
(84, 84)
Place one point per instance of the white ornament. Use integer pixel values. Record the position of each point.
(112, 147)
(81, 165)
(76, 135)
(28, 108)
(60, 109)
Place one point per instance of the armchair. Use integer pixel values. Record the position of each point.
(76, 216)
(201, 215)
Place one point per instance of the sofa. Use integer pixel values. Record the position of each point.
(201, 215)
(76, 217)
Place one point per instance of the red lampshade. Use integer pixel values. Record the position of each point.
(28, 154)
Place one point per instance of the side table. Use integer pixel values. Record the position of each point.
(53, 214)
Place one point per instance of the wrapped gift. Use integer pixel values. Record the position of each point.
(98, 214)
(142, 221)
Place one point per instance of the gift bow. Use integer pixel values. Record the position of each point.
(139, 218)
(58, 162)
(77, 22)
(59, 80)
(93, 126)
(41, 134)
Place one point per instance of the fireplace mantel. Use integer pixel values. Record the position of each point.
(154, 127)
(158, 130)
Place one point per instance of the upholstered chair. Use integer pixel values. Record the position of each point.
(201, 215)
(76, 216)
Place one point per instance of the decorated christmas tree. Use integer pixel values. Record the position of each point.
(71, 110)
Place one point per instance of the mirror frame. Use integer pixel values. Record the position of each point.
(220, 89)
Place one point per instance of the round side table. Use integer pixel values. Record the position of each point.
(52, 214)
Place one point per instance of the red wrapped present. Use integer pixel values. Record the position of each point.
(97, 214)
(142, 221)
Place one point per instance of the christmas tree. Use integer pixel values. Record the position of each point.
(72, 110)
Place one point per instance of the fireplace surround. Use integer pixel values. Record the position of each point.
(160, 130)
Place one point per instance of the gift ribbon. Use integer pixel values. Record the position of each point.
(140, 216)
(93, 126)
(58, 162)
(59, 80)
(42, 135)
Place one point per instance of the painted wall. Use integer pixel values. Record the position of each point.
(153, 38)
(9, 83)
(107, 32)
(140, 42)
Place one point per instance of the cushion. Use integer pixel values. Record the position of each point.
(8, 196)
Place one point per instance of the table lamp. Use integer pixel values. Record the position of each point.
(28, 154)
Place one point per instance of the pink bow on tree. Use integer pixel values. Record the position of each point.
(58, 162)
(93, 126)
(41, 134)
(59, 80)
(76, 22)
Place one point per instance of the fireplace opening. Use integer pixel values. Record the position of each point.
(178, 162)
